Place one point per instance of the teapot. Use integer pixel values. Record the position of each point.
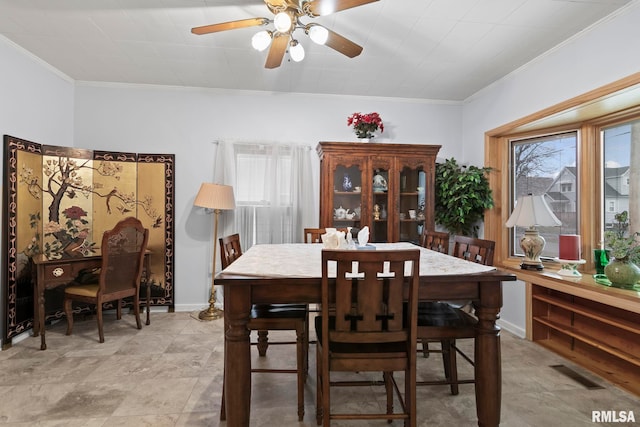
(341, 213)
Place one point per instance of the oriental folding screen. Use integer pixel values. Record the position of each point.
(58, 201)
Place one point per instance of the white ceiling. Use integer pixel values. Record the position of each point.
(427, 49)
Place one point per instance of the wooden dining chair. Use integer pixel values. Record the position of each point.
(435, 240)
(123, 250)
(365, 327)
(273, 317)
(313, 235)
(447, 322)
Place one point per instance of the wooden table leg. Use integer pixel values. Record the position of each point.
(237, 363)
(488, 372)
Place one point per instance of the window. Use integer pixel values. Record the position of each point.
(273, 190)
(617, 151)
(590, 114)
(546, 165)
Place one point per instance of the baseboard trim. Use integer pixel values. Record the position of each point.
(514, 329)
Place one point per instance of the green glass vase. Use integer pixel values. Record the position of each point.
(622, 273)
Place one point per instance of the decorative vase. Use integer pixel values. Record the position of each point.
(622, 273)
(600, 259)
(347, 185)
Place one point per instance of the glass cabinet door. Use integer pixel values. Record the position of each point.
(412, 204)
(380, 206)
(347, 196)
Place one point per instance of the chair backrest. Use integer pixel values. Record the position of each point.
(474, 249)
(123, 249)
(368, 297)
(229, 249)
(312, 235)
(436, 241)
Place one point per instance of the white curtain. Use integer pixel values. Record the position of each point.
(273, 188)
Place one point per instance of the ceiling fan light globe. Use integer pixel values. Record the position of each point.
(261, 40)
(318, 34)
(296, 51)
(282, 22)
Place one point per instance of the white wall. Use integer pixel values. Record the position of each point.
(185, 121)
(36, 104)
(601, 55)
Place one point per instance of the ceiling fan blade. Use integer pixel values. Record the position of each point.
(326, 7)
(232, 25)
(277, 50)
(343, 45)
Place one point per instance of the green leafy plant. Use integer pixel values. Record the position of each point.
(622, 244)
(462, 196)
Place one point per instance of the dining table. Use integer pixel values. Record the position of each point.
(292, 273)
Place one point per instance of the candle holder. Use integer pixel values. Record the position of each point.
(569, 267)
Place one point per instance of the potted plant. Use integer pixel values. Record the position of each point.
(624, 247)
(462, 194)
(365, 124)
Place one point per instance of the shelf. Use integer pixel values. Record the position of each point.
(599, 331)
(625, 377)
(347, 193)
(592, 314)
(577, 334)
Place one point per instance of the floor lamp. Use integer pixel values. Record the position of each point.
(217, 197)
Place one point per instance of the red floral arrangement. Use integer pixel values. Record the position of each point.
(365, 124)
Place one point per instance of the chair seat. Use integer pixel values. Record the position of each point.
(444, 315)
(83, 290)
(289, 311)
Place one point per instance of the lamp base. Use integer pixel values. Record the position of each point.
(536, 267)
(211, 313)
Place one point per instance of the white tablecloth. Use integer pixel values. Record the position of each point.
(304, 260)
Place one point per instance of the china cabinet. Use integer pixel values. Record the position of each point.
(387, 187)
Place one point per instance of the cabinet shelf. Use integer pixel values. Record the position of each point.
(598, 331)
(348, 193)
(592, 314)
(579, 335)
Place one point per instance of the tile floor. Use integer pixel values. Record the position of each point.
(170, 374)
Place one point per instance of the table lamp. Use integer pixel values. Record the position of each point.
(532, 211)
(218, 198)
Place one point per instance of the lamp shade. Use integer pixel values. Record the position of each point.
(215, 196)
(531, 211)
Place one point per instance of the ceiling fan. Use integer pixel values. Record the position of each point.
(286, 20)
